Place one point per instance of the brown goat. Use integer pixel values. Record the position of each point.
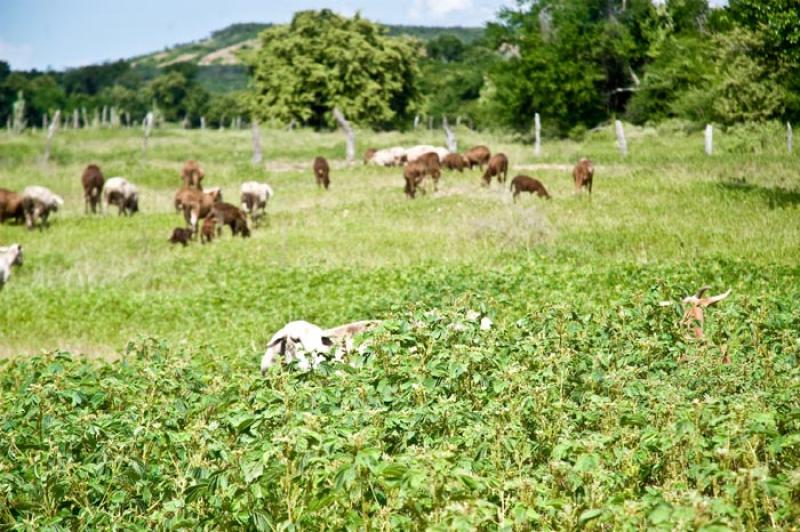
(192, 175)
(322, 172)
(478, 155)
(197, 205)
(11, 206)
(414, 173)
(207, 232)
(523, 183)
(431, 162)
(368, 154)
(498, 166)
(583, 173)
(232, 216)
(454, 161)
(181, 235)
(92, 180)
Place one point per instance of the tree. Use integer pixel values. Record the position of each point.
(322, 60)
(446, 48)
(573, 61)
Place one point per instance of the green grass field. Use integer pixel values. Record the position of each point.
(129, 386)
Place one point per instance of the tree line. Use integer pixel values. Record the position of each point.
(578, 63)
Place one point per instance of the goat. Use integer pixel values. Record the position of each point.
(322, 172)
(11, 206)
(9, 256)
(523, 183)
(583, 174)
(118, 191)
(37, 204)
(181, 235)
(308, 344)
(254, 197)
(92, 181)
(192, 175)
(232, 216)
(477, 155)
(498, 166)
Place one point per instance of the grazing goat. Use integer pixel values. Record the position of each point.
(433, 169)
(181, 235)
(414, 173)
(415, 152)
(498, 166)
(37, 204)
(118, 191)
(583, 173)
(11, 206)
(369, 154)
(387, 157)
(92, 181)
(322, 172)
(254, 197)
(9, 256)
(523, 183)
(197, 205)
(308, 344)
(232, 216)
(454, 161)
(192, 175)
(477, 155)
(207, 232)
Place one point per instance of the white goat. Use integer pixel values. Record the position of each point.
(254, 197)
(308, 344)
(38, 202)
(414, 153)
(9, 256)
(389, 156)
(118, 191)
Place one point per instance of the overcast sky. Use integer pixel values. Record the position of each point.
(66, 33)
(56, 34)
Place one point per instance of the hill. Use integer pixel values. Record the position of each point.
(220, 69)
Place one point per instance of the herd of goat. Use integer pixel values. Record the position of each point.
(420, 164)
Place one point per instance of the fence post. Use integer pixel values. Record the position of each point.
(147, 125)
(789, 137)
(416, 121)
(621, 144)
(50, 132)
(709, 139)
(348, 132)
(257, 157)
(202, 122)
(537, 124)
(452, 142)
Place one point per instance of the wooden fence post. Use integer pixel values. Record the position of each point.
(50, 132)
(709, 139)
(537, 125)
(621, 143)
(416, 121)
(147, 125)
(257, 156)
(202, 122)
(348, 133)
(789, 137)
(452, 142)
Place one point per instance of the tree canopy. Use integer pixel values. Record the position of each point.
(322, 60)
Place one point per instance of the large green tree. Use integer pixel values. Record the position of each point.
(322, 60)
(573, 61)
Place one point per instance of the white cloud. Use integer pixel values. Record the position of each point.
(19, 56)
(424, 9)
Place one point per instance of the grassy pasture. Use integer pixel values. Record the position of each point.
(585, 405)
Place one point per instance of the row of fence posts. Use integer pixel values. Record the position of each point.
(112, 116)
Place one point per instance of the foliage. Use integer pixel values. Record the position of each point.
(322, 60)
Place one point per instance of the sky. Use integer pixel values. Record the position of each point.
(57, 34)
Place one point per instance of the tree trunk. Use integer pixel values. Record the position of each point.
(350, 136)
